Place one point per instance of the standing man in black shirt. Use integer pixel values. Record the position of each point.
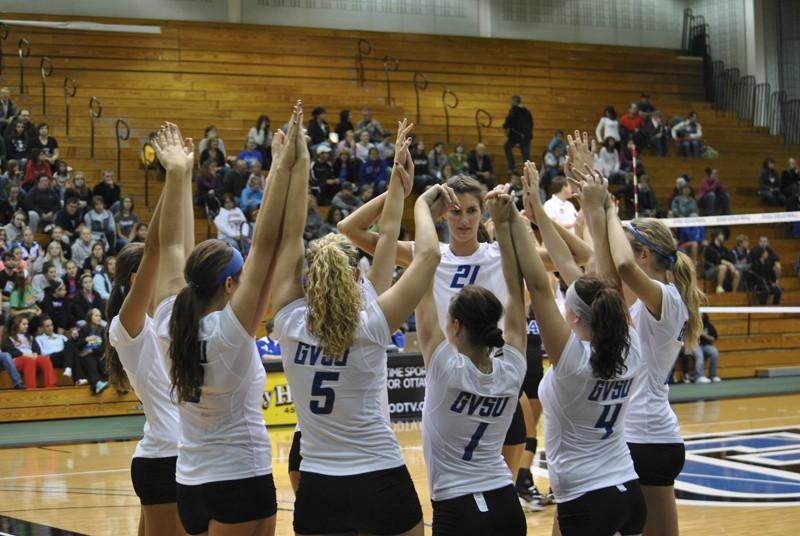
(519, 131)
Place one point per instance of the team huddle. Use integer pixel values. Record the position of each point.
(183, 320)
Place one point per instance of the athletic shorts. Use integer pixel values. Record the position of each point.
(516, 430)
(533, 375)
(492, 512)
(226, 501)
(657, 464)
(154, 480)
(604, 512)
(294, 453)
(379, 502)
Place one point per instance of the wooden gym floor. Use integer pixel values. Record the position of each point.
(86, 487)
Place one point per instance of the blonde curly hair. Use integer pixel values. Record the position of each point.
(333, 293)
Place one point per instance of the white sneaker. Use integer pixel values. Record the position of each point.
(67, 372)
(82, 382)
(533, 505)
(716, 379)
(702, 379)
(720, 290)
(686, 379)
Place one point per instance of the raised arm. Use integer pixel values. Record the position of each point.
(249, 303)
(596, 201)
(356, 227)
(188, 208)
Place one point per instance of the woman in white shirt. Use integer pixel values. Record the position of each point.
(608, 126)
(607, 160)
(470, 397)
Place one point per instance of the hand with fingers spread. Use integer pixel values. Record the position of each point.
(440, 199)
(595, 188)
(169, 147)
(579, 154)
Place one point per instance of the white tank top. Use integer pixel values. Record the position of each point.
(465, 419)
(142, 359)
(584, 438)
(223, 434)
(650, 418)
(340, 405)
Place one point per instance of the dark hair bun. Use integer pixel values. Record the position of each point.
(493, 337)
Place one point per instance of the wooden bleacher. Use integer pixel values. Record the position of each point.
(197, 74)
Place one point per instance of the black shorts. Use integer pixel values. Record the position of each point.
(154, 480)
(658, 464)
(533, 375)
(226, 501)
(294, 453)
(604, 512)
(499, 513)
(516, 430)
(380, 502)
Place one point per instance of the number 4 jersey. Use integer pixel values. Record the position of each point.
(340, 403)
(584, 421)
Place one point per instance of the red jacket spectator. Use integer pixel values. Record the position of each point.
(632, 123)
(34, 170)
(710, 183)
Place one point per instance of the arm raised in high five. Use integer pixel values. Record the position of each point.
(596, 199)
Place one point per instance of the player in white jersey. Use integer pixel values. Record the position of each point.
(134, 357)
(471, 377)
(665, 313)
(595, 357)
(353, 478)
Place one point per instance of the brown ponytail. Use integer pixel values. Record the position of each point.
(479, 311)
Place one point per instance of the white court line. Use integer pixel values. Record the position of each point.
(64, 474)
(738, 478)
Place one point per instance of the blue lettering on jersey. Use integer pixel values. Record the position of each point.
(533, 328)
(682, 333)
(308, 354)
(486, 406)
(610, 390)
(466, 274)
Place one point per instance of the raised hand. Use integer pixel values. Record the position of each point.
(286, 145)
(579, 155)
(499, 204)
(530, 189)
(402, 155)
(169, 147)
(440, 199)
(595, 188)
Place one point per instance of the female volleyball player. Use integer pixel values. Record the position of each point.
(595, 357)
(353, 478)
(468, 388)
(224, 468)
(135, 358)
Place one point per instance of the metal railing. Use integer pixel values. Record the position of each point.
(729, 90)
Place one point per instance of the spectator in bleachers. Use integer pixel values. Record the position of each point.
(553, 166)
(86, 298)
(232, 226)
(45, 143)
(23, 117)
(3, 242)
(236, 179)
(346, 199)
(72, 280)
(103, 279)
(22, 302)
(53, 254)
(252, 195)
(769, 185)
(557, 141)
(41, 282)
(386, 148)
(480, 166)
(348, 141)
(741, 258)
(313, 221)
(8, 110)
(17, 143)
(12, 176)
(29, 246)
(61, 176)
(318, 129)
(61, 351)
(719, 265)
(57, 235)
(366, 192)
(261, 133)
(212, 153)
(211, 134)
(324, 182)
(765, 268)
(11, 204)
(519, 131)
(646, 108)
(44, 201)
(109, 190)
(140, 232)
(79, 190)
(458, 159)
(346, 167)
(344, 125)
(763, 245)
(607, 161)
(7, 364)
(82, 247)
(656, 134)
(250, 154)
(333, 218)
(126, 219)
(558, 207)
(424, 176)
(436, 158)
(36, 167)
(363, 146)
(680, 182)
(706, 349)
(711, 193)
(15, 227)
(101, 222)
(632, 124)
(790, 179)
(374, 171)
(370, 125)
(608, 126)
(10, 267)
(445, 173)
(626, 158)
(209, 187)
(19, 344)
(58, 307)
(688, 134)
(92, 347)
(684, 205)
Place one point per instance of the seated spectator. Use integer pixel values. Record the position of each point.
(553, 167)
(314, 221)
(648, 205)
(458, 159)
(23, 117)
(69, 217)
(774, 260)
(741, 255)
(366, 192)
(626, 159)
(680, 182)
(71, 280)
(10, 205)
(656, 134)
(55, 255)
(436, 158)
(109, 190)
(260, 133)
(318, 129)
(81, 249)
(363, 146)
(12, 177)
(324, 182)
(140, 232)
(37, 167)
(8, 110)
(86, 298)
(268, 348)
(374, 171)
(19, 344)
(557, 141)
(445, 173)
(558, 207)
(209, 187)
(346, 168)
(424, 177)
(712, 192)
(7, 364)
(18, 144)
(370, 125)
(79, 190)
(344, 125)
(607, 162)
(688, 134)
(103, 279)
(333, 218)
(211, 134)
(29, 246)
(251, 154)
(765, 270)
(212, 153)
(719, 265)
(8, 274)
(684, 205)
(769, 185)
(705, 348)
(690, 239)
(58, 307)
(97, 257)
(57, 235)
(252, 195)
(22, 301)
(41, 282)
(632, 124)
(101, 222)
(61, 177)
(608, 126)
(480, 166)
(646, 108)
(92, 347)
(348, 141)
(386, 148)
(232, 226)
(236, 179)
(44, 201)
(45, 143)
(346, 198)
(125, 221)
(790, 180)
(60, 350)
(16, 226)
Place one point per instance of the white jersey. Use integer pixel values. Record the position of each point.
(650, 418)
(142, 359)
(340, 404)
(583, 418)
(483, 268)
(223, 435)
(465, 419)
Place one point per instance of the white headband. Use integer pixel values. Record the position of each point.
(577, 304)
